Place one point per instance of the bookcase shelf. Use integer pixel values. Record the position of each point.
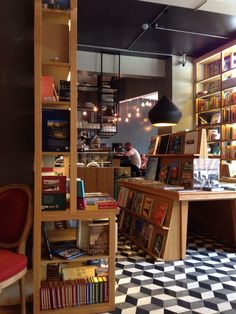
(215, 82)
(55, 40)
(151, 223)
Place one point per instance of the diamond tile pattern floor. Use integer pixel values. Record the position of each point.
(204, 282)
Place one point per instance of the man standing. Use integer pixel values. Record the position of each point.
(135, 159)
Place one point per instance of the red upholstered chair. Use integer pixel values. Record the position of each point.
(16, 216)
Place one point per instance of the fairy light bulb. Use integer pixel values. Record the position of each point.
(137, 114)
(119, 119)
(137, 109)
(129, 115)
(84, 113)
(126, 119)
(95, 109)
(143, 104)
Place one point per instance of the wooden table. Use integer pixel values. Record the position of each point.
(182, 199)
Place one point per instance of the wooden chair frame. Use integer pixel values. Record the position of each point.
(19, 245)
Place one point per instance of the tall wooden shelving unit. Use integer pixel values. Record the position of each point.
(215, 101)
(55, 55)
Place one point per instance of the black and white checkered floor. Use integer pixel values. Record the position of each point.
(204, 282)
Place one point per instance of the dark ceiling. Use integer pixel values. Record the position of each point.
(116, 26)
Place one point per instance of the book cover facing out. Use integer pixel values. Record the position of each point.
(53, 184)
(147, 206)
(159, 213)
(53, 201)
(98, 238)
(158, 244)
(56, 130)
(206, 172)
(186, 175)
(137, 229)
(151, 170)
(137, 202)
(174, 171)
(176, 144)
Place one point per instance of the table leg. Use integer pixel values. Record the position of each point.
(183, 227)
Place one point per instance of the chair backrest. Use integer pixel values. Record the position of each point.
(16, 215)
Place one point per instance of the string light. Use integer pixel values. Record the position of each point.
(95, 109)
(84, 113)
(126, 119)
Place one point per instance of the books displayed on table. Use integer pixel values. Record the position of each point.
(157, 245)
(147, 206)
(137, 202)
(159, 213)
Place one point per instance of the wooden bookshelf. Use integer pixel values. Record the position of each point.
(215, 101)
(55, 56)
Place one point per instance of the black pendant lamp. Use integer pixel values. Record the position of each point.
(164, 113)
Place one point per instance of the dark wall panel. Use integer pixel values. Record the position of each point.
(17, 91)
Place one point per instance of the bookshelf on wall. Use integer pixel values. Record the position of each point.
(56, 134)
(215, 103)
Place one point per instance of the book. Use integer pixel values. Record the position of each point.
(66, 250)
(213, 188)
(158, 244)
(46, 242)
(163, 173)
(55, 130)
(163, 144)
(127, 223)
(47, 88)
(107, 204)
(147, 206)
(191, 142)
(173, 173)
(137, 201)
(159, 213)
(186, 174)
(98, 238)
(71, 273)
(53, 184)
(53, 201)
(206, 172)
(151, 170)
(137, 228)
(176, 144)
(153, 145)
(147, 234)
(129, 199)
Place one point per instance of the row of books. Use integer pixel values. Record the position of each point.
(54, 190)
(229, 114)
(204, 104)
(73, 293)
(143, 232)
(145, 205)
(177, 143)
(229, 132)
(186, 173)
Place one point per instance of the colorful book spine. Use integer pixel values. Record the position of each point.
(81, 200)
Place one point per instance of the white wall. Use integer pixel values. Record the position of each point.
(182, 91)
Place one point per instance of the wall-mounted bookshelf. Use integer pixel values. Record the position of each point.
(215, 102)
